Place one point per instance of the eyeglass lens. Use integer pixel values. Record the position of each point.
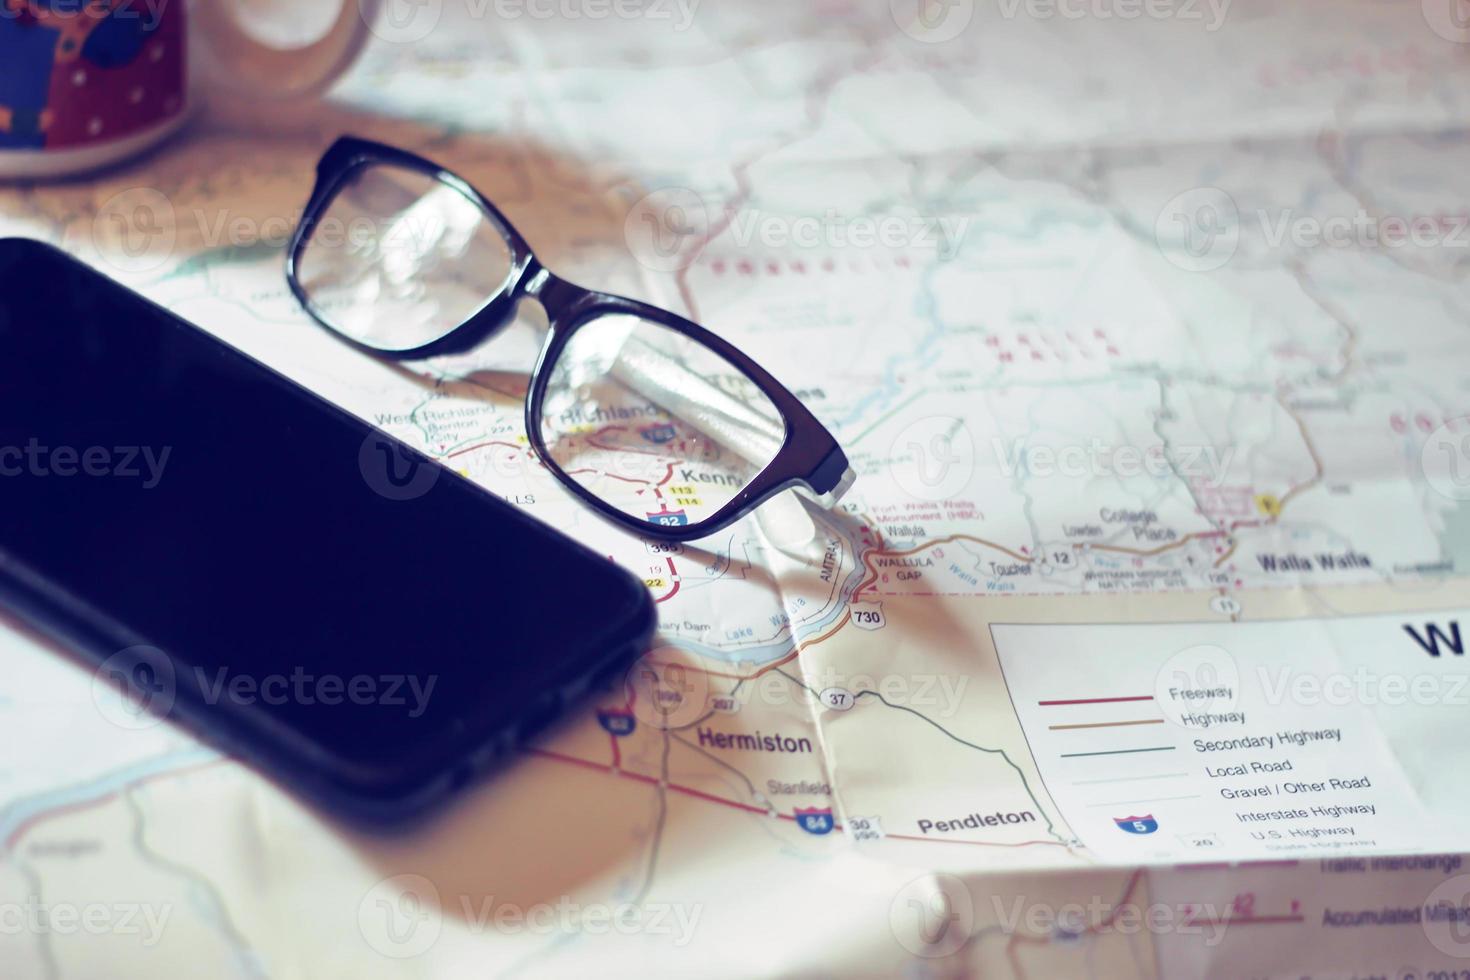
(655, 423)
(399, 258)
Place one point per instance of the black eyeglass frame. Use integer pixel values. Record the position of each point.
(809, 456)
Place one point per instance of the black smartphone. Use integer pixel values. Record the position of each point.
(296, 586)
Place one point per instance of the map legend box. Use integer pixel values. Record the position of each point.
(1225, 741)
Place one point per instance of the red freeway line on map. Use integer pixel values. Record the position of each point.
(750, 807)
(1135, 697)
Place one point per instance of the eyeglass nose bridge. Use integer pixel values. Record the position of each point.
(553, 294)
(537, 280)
(556, 295)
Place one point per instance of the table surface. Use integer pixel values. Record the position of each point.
(1105, 301)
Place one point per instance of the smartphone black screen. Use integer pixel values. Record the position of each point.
(160, 489)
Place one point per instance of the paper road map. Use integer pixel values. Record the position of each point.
(1139, 647)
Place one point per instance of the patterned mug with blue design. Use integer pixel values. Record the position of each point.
(85, 83)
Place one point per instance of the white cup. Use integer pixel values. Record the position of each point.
(87, 83)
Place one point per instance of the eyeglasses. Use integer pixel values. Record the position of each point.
(652, 420)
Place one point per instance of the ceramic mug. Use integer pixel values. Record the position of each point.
(86, 83)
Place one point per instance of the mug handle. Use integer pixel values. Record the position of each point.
(248, 67)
